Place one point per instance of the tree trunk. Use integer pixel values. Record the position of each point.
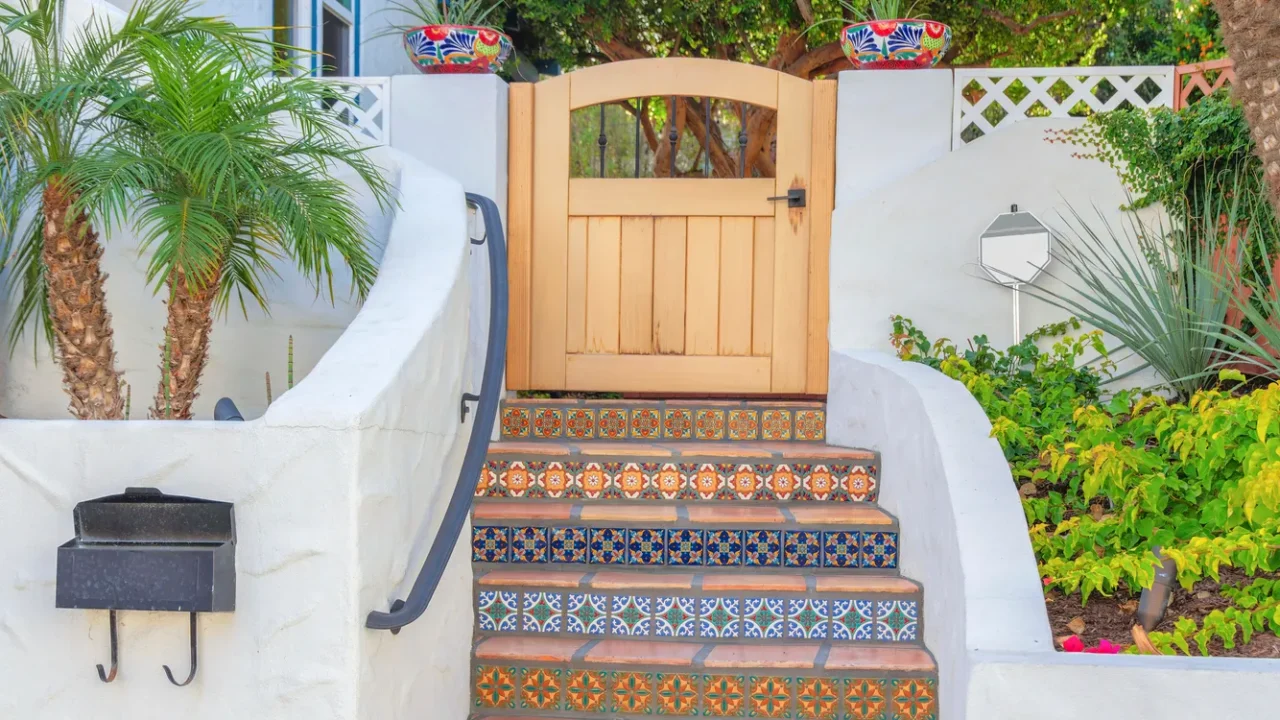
(1251, 29)
(78, 309)
(186, 347)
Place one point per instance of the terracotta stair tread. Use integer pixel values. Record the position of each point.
(648, 653)
(642, 579)
(760, 450)
(675, 514)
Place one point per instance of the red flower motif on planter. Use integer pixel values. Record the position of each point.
(884, 28)
(436, 32)
(935, 30)
(488, 37)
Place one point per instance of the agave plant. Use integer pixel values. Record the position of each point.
(217, 185)
(446, 12)
(51, 83)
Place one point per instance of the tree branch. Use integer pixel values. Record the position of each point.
(616, 51)
(806, 65)
(1018, 28)
(806, 10)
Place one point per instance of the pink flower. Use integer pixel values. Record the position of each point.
(1048, 581)
(1105, 647)
(1073, 644)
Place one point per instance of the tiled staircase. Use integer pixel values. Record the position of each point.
(641, 558)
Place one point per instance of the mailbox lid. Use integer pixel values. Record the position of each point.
(175, 578)
(146, 515)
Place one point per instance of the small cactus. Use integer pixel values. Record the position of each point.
(290, 362)
(268, 387)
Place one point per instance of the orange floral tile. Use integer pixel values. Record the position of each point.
(677, 694)
(586, 691)
(724, 695)
(744, 425)
(548, 422)
(515, 422)
(817, 699)
(865, 699)
(580, 424)
(811, 425)
(915, 699)
(775, 425)
(611, 423)
(646, 424)
(631, 692)
(709, 424)
(677, 424)
(770, 697)
(495, 687)
(540, 689)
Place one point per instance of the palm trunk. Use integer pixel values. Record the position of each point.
(1251, 29)
(78, 309)
(186, 348)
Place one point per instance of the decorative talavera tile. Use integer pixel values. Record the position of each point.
(495, 687)
(587, 691)
(490, 544)
(880, 550)
(706, 481)
(586, 614)
(744, 424)
(593, 481)
(675, 617)
(724, 547)
(580, 423)
(769, 697)
(611, 424)
(631, 481)
(896, 620)
(608, 546)
(677, 424)
(801, 548)
(819, 482)
(515, 422)
(548, 423)
(668, 482)
(744, 482)
(915, 698)
(554, 480)
(685, 547)
(677, 694)
(866, 699)
(841, 549)
(775, 425)
(515, 479)
(497, 611)
(541, 612)
(568, 545)
(810, 425)
(763, 617)
(630, 615)
(782, 482)
(719, 616)
(860, 484)
(540, 688)
(646, 424)
(708, 424)
(631, 692)
(852, 619)
(817, 698)
(724, 695)
(529, 545)
(762, 548)
(808, 619)
(646, 547)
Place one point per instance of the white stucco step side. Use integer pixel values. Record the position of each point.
(337, 490)
(964, 538)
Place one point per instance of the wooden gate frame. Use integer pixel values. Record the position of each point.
(658, 77)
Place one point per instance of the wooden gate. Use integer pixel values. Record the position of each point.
(704, 285)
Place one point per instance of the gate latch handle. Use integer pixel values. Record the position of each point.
(794, 198)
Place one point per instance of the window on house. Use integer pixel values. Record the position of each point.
(336, 41)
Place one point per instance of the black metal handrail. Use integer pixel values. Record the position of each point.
(405, 611)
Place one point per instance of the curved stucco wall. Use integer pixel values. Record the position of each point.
(337, 490)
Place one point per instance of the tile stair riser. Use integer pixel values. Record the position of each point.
(641, 692)
(626, 545)
(799, 479)
(647, 421)
(872, 618)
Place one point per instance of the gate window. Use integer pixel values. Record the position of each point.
(637, 138)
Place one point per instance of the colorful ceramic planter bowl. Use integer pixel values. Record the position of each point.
(457, 48)
(895, 44)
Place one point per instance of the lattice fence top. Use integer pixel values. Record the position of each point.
(1196, 82)
(365, 107)
(988, 99)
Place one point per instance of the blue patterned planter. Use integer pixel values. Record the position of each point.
(895, 44)
(457, 48)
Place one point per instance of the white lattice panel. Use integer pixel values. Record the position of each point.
(988, 99)
(365, 107)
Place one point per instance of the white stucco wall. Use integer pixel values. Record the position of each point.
(964, 537)
(337, 490)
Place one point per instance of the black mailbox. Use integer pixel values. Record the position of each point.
(145, 550)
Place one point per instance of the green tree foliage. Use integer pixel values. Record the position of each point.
(1165, 32)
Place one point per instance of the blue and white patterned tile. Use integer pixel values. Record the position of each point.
(852, 619)
(763, 617)
(801, 548)
(880, 550)
(808, 619)
(646, 547)
(541, 612)
(675, 617)
(490, 544)
(608, 546)
(497, 611)
(529, 545)
(685, 547)
(841, 549)
(586, 614)
(724, 547)
(896, 620)
(762, 548)
(630, 615)
(719, 616)
(568, 545)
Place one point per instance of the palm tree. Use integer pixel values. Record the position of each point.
(225, 163)
(51, 85)
(1251, 29)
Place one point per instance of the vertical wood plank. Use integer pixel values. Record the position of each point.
(791, 238)
(635, 319)
(576, 287)
(737, 257)
(702, 287)
(822, 195)
(519, 231)
(548, 309)
(762, 290)
(604, 273)
(669, 241)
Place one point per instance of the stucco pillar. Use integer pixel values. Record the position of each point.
(889, 123)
